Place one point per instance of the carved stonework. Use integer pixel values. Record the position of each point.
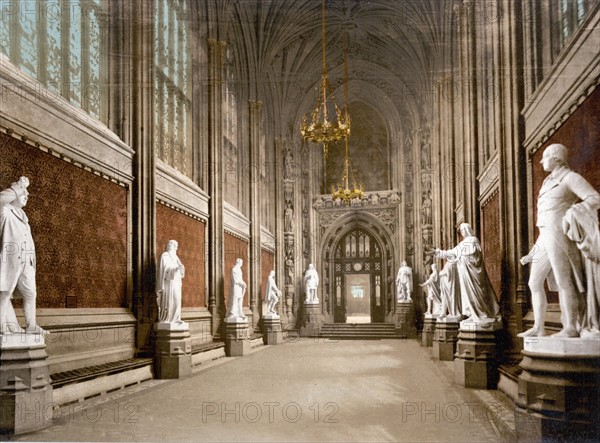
(383, 205)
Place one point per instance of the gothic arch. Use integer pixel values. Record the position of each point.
(384, 241)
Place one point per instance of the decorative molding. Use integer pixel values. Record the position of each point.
(34, 112)
(489, 178)
(179, 192)
(380, 199)
(235, 235)
(489, 196)
(267, 239)
(573, 77)
(175, 208)
(235, 222)
(35, 144)
(387, 216)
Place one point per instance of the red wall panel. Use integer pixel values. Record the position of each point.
(235, 248)
(490, 242)
(79, 225)
(190, 234)
(267, 264)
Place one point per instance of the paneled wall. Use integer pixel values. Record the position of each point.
(79, 225)
(235, 248)
(490, 241)
(190, 234)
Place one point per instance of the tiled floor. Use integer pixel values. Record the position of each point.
(305, 390)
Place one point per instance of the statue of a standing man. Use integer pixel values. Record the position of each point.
(554, 254)
(235, 310)
(404, 283)
(311, 283)
(17, 260)
(169, 278)
(272, 295)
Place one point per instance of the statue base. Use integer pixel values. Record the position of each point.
(429, 324)
(405, 319)
(26, 401)
(444, 339)
(311, 323)
(475, 364)
(272, 331)
(559, 390)
(237, 339)
(173, 348)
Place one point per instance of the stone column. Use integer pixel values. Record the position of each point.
(25, 392)
(429, 325)
(445, 338)
(405, 319)
(216, 303)
(143, 202)
(475, 362)
(173, 356)
(559, 390)
(237, 338)
(255, 206)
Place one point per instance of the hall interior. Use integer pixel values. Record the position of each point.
(138, 122)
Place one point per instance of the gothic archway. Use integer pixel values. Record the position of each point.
(357, 261)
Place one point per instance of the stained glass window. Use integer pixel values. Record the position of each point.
(172, 86)
(572, 14)
(60, 44)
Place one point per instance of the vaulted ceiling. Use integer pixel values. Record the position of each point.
(394, 46)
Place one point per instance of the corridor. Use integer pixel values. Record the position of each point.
(302, 391)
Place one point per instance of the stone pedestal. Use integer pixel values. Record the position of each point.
(25, 392)
(445, 338)
(428, 330)
(311, 320)
(173, 347)
(237, 338)
(475, 363)
(405, 319)
(272, 331)
(559, 390)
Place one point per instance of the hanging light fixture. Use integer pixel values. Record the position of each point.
(319, 129)
(343, 191)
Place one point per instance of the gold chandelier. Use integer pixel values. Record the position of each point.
(343, 191)
(319, 129)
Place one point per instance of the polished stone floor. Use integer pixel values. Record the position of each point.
(305, 390)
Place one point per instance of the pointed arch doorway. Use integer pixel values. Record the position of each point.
(358, 275)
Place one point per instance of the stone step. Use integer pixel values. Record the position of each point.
(358, 331)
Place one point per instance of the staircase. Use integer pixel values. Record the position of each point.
(358, 331)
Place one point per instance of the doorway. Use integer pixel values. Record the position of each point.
(357, 279)
(358, 298)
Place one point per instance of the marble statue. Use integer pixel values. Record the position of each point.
(237, 290)
(272, 295)
(426, 209)
(289, 271)
(288, 219)
(478, 296)
(404, 283)
(17, 260)
(311, 282)
(433, 291)
(169, 276)
(581, 226)
(450, 292)
(566, 203)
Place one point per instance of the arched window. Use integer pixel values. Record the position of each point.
(60, 44)
(172, 100)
